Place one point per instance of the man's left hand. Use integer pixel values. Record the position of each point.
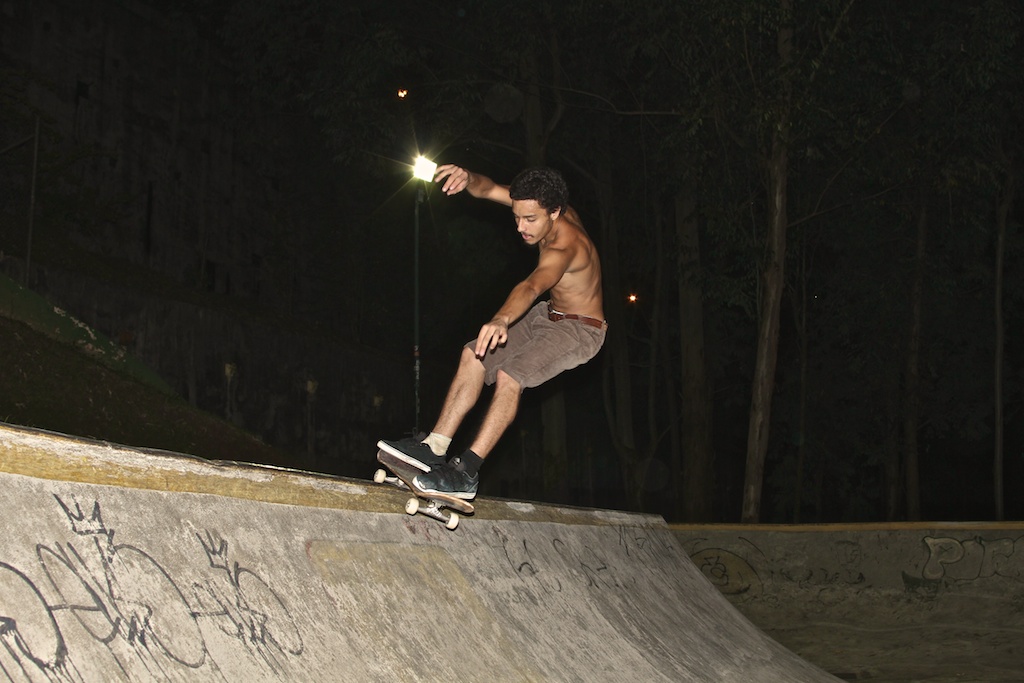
(491, 336)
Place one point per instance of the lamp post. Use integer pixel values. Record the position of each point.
(423, 169)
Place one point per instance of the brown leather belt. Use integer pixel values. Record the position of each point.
(586, 320)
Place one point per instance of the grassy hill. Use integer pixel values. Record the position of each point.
(59, 375)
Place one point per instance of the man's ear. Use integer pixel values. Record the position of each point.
(556, 213)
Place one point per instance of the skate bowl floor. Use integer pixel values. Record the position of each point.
(128, 564)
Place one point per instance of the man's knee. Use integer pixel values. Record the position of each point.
(469, 361)
(504, 380)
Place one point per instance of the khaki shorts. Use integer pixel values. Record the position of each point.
(539, 348)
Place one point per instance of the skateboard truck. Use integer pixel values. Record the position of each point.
(443, 508)
(427, 506)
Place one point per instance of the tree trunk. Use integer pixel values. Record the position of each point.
(655, 373)
(670, 398)
(618, 391)
(912, 373)
(533, 111)
(891, 449)
(801, 327)
(696, 418)
(1003, 212)
(555, 443)
(772, 280)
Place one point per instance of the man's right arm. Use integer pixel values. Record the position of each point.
(456, 179)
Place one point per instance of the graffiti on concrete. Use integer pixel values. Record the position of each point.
(855, 564)
(30, 634)
(594, 570)
(246, 608)
(127, 602)
(952, 559)
(743, 572)
(728, 572)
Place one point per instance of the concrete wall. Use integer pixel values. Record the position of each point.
(831, 565)
(942, 601)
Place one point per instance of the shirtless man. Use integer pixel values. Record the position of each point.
(527, 342)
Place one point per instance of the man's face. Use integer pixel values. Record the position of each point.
(533, 221)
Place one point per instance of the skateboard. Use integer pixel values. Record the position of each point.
(440, 506)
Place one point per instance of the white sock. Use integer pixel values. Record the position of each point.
(438, 444)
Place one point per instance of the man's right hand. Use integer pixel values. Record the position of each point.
(455, 178)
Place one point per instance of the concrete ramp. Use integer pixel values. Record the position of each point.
(122, 564)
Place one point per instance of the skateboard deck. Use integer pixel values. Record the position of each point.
(440, 506)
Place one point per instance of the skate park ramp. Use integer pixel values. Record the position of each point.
(121, 564)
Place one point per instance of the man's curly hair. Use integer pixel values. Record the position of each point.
(544, 185)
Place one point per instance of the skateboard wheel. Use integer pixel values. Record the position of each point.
(412, 506)
(379, 476)
(453, 521)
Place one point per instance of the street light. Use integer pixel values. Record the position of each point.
(423, 169)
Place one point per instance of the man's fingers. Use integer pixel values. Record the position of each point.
(490, 338)
(481, 347)
(483, 340)
(455, 178)
(442, 173)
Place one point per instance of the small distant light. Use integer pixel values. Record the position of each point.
(632, 298)
(402, 93)
(423, 168)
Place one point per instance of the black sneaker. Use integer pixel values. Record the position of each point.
(450, 481)
(413, 452)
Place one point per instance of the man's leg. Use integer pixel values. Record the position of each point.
(461, 476)
(462, 394)
(503, 409)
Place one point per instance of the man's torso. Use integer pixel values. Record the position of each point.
(579, 289)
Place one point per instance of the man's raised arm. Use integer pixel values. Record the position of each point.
(456, 179)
